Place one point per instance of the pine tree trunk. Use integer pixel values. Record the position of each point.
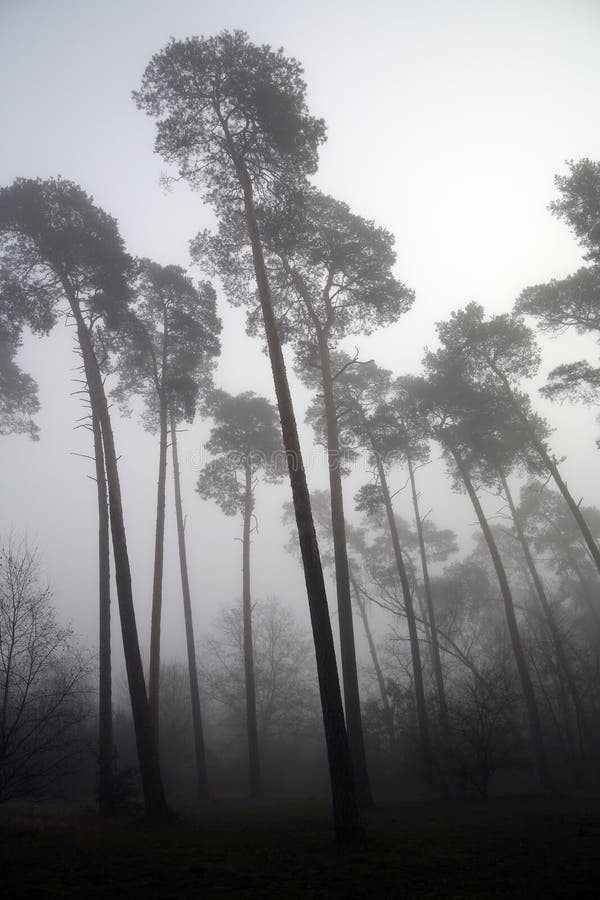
(345, 808)
(252, 728)
(553, 470)
(435, 646)
(199, 751)
(411, 621)
(561, 653)
(105, 730)
(154, 799)
(159, 546)
(388, 714)
(535, 727)
(342, 580)
(573, 506)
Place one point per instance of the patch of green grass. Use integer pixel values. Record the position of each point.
(507, 849)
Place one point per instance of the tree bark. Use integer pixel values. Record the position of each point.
(561, 653)
(435, 646)
(342, 580)
(105, 730)
(199, 751)
(345, 808)
(159, 544)
(154, 799)
(251, 722)
(535, 727)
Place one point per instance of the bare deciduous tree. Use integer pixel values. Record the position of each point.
(44, 692)
(286, 697)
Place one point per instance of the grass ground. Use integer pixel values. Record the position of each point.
(504, 849)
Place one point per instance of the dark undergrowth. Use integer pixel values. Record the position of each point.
(523, 848)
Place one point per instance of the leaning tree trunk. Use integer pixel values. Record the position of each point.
(342, 580)
(105, 729)
(200, 755)
(561, 653)
(573, 506)
(388, 714)
(159, 546)
(411, 620)
(589, 597)
(345, 808)
(513, 629)
(435, 645)
(553, 470)
(251, 723)
(154, 799)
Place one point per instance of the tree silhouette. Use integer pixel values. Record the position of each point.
(18, 391)
(469, 422)
(579, 204)
(58, 246)
(499, 352)
(562, 654)
(574, 301)
(106, 787)
(201, 774)
(18, 404)
(356, 548)
(502, 445)
(287, 703)
(358, 552)
(246, 443)
(166, 356)
(405, 440)
(233, 118)
(44, 694)
(554, 533)
(331, 272)
(359, 389)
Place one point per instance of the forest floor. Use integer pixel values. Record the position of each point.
(519, 848)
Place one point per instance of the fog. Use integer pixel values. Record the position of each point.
(447, 123)
(449, 134)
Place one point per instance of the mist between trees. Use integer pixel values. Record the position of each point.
(481, 671)
(351, 458)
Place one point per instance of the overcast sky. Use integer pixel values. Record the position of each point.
(447, 122)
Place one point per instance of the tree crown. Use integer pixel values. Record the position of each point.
(579, 204)
(245, 438)
(168, 349)
(224, 105)
(53, 238)
(499, 346)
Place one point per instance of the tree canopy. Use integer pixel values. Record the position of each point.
(222, 101)
(574, 301)
(169, 345)
(18, 390)
(53, 237)
(331, 269)
(246, 433)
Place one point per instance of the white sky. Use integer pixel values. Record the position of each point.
(447, 122)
